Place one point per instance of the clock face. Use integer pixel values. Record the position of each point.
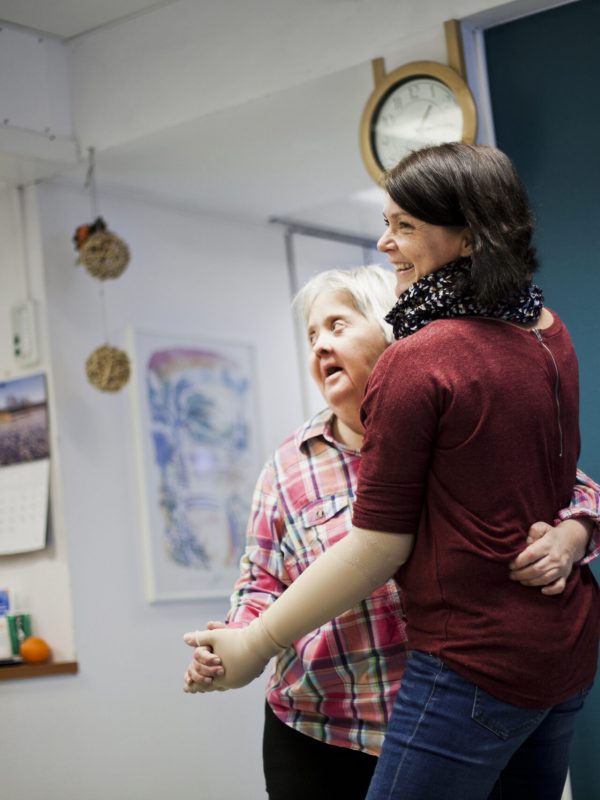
(418, 112)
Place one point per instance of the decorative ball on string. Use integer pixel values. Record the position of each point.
(108, 368)
(105, 256)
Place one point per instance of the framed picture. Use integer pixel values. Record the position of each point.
(196, 430)
(24, 464)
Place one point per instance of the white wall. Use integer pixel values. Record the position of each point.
(122, 728)
(36, 137)
(39, 580)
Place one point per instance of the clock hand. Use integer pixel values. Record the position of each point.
(425, 115)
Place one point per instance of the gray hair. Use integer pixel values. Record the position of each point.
(371, 290)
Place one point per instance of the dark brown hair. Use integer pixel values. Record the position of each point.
(458, 185)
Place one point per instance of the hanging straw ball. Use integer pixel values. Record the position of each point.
(104, 255)
(108, 368)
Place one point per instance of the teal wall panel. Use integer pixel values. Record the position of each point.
(544, 73)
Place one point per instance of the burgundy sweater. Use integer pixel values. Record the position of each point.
(472, 435)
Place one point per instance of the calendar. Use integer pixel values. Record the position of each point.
(24, 465)
(24, 506)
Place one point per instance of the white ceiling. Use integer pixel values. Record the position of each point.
(269, 157)
(68, 18)
(245, 108)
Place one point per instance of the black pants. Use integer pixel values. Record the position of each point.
(298, 767)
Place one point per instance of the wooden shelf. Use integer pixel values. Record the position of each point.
(13, 672)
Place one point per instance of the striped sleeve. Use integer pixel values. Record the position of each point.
(585, 502)
(262, 573)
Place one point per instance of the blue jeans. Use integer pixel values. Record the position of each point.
(449, 740)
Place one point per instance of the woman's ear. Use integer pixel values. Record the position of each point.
(466, 243)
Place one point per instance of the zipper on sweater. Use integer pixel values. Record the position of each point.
(538, 336)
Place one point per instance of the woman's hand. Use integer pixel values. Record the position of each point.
(204, 667)
(243, 652)
(551, 551)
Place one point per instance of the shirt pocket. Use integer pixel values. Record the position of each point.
(313, 529)
(322, 511)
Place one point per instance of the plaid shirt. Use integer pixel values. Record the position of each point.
(585, 502)
(337, 684)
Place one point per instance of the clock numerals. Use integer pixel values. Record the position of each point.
(414, 114)
(419, 104)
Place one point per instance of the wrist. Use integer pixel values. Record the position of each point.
(260, 639)
(579, 530)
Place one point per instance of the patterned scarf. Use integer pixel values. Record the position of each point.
(436, 296)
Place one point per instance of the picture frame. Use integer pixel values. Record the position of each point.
(196, 429)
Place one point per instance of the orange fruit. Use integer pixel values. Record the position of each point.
(34, 650)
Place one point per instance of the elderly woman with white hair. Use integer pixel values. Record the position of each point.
(330, 693)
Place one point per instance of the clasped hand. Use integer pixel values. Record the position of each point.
(245, 651)
(551, 551)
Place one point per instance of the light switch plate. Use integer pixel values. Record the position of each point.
(25, 340)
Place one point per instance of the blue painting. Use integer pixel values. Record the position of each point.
(199, 455)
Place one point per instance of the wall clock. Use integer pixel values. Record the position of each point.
(419, 104)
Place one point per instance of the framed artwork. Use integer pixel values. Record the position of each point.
(196, 429)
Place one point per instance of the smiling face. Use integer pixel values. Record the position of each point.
(344, 348)
(416, 248)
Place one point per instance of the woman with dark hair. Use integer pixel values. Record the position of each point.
(438, 185)
(471, 431)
